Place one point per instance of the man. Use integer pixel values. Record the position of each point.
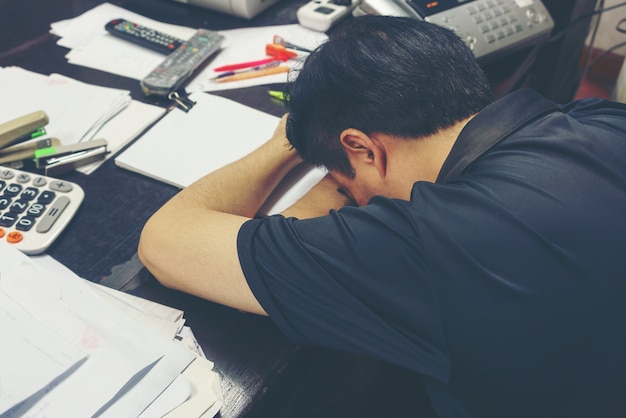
(486, 248)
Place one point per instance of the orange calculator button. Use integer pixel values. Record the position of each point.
(15, 237)
(1, 232)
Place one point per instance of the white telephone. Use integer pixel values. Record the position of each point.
(488, 27)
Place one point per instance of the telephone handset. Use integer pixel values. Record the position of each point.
(488, 27)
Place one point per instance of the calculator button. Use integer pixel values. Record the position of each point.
(8, 219)
(12, 190)
(29, 193)
(14, 237)
(19, 206)
(4, 202)
(25, 223)
(2, 232)
(6, 174)
(53, 214)
(46, 197)
(23, 178)
(60, 186)
(39, 182)
(35, 210)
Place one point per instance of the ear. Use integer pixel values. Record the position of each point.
(363, 149)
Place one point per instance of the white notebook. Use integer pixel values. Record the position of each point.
(183, 147)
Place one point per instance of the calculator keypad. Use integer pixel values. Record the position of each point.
(34, 209)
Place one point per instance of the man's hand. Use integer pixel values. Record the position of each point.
(324, 196)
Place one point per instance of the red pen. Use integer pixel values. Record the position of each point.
(249, 64)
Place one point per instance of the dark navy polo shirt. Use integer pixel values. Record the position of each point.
(503, 283)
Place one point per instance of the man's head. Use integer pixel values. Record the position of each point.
(398, 76)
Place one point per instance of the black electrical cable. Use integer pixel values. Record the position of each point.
(599, 6)
(614, 47)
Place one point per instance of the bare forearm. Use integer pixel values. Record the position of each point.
(240, 188)
(190, 243)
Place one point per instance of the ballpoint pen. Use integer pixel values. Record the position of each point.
(249, 64)
(245, 70)
(253, 74)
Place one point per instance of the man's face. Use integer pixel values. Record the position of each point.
(357, 190)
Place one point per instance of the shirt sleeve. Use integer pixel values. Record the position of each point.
(353, 280)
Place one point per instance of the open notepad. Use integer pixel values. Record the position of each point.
(182, 147)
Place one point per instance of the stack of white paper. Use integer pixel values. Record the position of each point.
(77, 111)
(91, 46)
(96, 351)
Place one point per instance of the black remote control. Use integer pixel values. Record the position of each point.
(144, 36)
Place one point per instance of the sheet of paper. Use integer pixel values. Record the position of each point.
(137, 398)
(205, 399)
(175, 394)
(25, 369)
(182, 147)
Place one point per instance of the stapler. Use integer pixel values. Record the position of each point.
(17, 144)
(57, 160)
(23, 128)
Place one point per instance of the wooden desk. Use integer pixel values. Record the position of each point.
(100, 243)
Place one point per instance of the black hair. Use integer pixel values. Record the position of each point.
(400, 76)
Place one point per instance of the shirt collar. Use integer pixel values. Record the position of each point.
(494, 123)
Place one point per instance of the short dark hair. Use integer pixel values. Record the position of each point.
(400, 76)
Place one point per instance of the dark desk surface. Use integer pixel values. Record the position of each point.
(101, 241)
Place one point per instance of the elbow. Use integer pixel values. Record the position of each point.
(148, 253)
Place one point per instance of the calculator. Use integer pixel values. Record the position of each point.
(35, 209)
